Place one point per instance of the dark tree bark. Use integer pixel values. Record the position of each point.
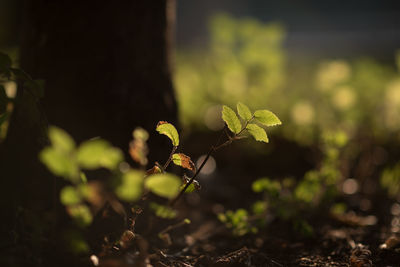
(106, 67)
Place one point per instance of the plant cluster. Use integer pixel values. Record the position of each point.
(291, 200)
(129, 185)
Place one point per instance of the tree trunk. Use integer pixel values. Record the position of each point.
(106, 67)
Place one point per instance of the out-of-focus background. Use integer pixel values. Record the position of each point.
(329, 70)
(322, 67)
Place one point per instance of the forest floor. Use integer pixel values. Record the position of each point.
(355, 238)
(337, 241)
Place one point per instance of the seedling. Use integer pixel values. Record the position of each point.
(64, 158)
(291, 201)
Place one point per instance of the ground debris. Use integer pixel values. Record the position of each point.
(360, 256)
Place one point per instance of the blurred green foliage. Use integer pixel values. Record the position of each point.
(246, 61)
(390, 180)
(292, 200)
(238, 221)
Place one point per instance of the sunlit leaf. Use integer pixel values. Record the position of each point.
(58, 162)
(231, 119)
(184, 161)
(267, 118)
(190, 189)
(169, 130)
(257, 132)
(163, 211)
(140, 133)
(165, 184)
(70, 196)
(81, 214)
(61, 140)
(131, 186)
(112, 158)
(243, 111)
(98, 153)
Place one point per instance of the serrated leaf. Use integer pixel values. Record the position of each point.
(231, 119)
(164, 184)
(244, 111)
(267, 118)
(184, 161)
(70, 196)
(131, 186)
(257, 132)
(98, 153)
(59, 163)
(169, 130)
(61, 140)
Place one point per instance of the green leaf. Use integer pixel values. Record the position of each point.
(70, 196)
(259, 207)
(231, 119)
(81, 214)
(257, 132)
(61, 140)
(265, 184)
(184, 161)
(59, 163)
(267, 118)
(131, 187)
(191, 188)
(163, 211)
(169, 130)
(141, 134)
(96, 153)
(244, 111)
(163, 184)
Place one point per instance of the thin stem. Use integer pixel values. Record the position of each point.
(245, 125)
(212, 150)
(169, 158)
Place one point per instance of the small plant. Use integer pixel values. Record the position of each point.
(131, 185)
(291, 201)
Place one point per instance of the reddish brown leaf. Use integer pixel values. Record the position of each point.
(184, 161)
